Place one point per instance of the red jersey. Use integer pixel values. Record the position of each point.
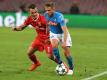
(39, 25)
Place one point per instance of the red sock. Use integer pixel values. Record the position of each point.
(33, 58)
(56, 60)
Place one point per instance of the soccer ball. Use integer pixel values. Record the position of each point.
(61, 70)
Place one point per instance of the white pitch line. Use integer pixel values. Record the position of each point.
(95, 76)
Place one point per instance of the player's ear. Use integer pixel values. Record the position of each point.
(53, 8)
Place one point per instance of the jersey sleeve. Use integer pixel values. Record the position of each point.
(61, 20)
(27, 21)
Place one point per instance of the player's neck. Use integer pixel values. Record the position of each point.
(35, 18)
(51, 15)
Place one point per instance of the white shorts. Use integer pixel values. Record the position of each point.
(60, 38)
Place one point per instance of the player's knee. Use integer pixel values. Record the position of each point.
(55, 46)
(66, 53)
(29, 53)
(54, 43)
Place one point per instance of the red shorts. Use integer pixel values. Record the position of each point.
(41, 44)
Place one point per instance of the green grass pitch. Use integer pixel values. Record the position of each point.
(89, 52)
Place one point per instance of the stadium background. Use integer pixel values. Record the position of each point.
(87, 27)
(90, 8)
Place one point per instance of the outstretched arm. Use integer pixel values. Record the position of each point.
(23, 26)
(19, 28)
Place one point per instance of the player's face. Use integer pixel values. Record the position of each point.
(49, 10)
(33, 13)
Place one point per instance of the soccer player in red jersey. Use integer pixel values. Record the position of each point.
(41, 41)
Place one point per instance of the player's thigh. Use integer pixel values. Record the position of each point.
(37, 44)
(54, 42)
(48, 49)
(54, 39)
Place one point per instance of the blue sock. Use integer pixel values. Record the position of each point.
(70, 62)
(57, 55)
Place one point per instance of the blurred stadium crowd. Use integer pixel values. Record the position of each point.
(98, 7)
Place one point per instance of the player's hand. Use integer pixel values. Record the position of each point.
(14, 29)
(63, 45)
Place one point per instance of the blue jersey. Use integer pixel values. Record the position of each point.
(57, 18)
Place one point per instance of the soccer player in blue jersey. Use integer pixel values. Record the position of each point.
(59, 33)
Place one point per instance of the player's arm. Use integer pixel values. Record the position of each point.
(23, 26)
(65, 31)
(64, 28)
(44, 22)
(19, 28)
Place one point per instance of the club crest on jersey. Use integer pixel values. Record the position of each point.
(39, 24)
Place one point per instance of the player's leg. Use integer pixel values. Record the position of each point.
(56, 50)
(54, 41)
(31, 54)
(48, 49)
(69, 59)
(67, 53)
(56, 53)
(32, 49)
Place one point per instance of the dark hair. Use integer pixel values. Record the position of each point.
(50, 4)
(32, 6)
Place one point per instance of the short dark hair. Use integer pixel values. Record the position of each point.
(50, 4)
(32, 6)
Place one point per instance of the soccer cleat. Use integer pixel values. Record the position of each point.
(70, 72)
(34, 66)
